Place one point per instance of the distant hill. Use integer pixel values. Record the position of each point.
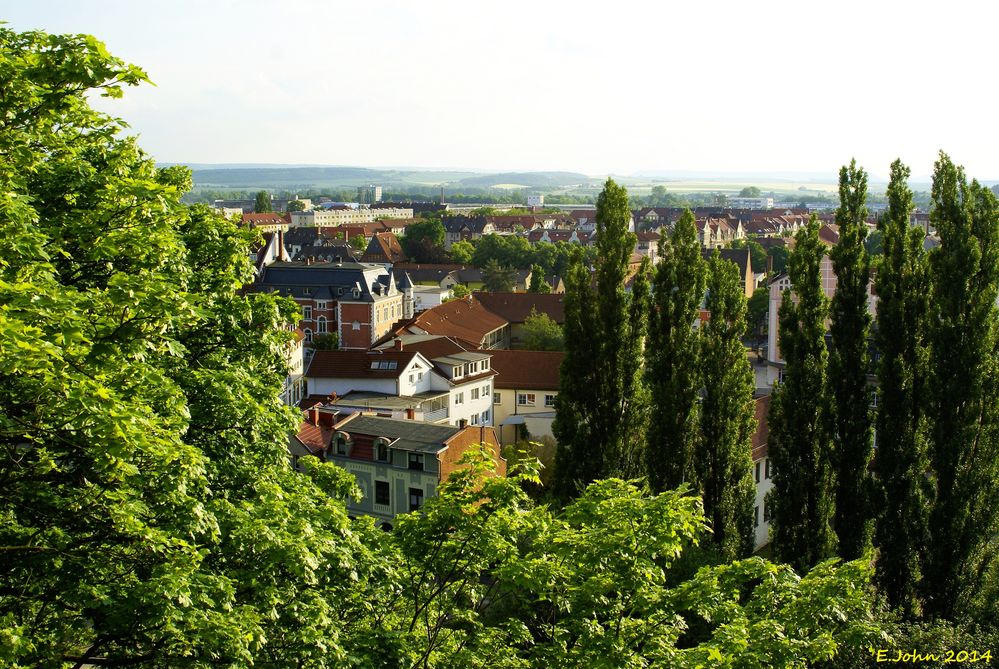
(285, 176)
(527, 179)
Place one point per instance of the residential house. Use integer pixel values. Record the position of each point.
(438, 382)
(648, 245)
(293, 389)
(467, 228)
(762, 473)
(465, 320)
(524, 392)
(782, 282)
(553, 236)
(398, 464)
(585, 220)
(516, 308)
(742, 259)
(451, 275)
(358, 301)
(384, 248)
(267, 222)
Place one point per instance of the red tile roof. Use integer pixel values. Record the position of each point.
(383, 247)
(516, 307)
(267, 218)
(464, 319)
(357, 364)
(528, 370)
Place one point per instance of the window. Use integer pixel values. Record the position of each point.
(382, 452)
(766, 511)
(355, 325)
(321, 305)
(485, 390)
(385, 364)
(496, 398)
(341, 446)
(766, 469)
(485, 417)
(308, 335)
(459, 398)
(549, 400)
(455, 372)
(415, 499)
(756, 516)
(416, 462)
(757, 472)
(382, 492)
(474, 420)
(525, 399)
(475, 393)
(411, 377)
(307, 313)
(321, 325)
(485, 364)
(307, 291)
(419, 376)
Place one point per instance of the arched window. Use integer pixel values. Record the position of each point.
(308, 335)
(341, 443)
(321, 327)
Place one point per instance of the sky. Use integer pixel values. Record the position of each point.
(618, 87)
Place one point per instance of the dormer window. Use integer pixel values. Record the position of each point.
(485, 364)
(341, 442)
(381, 450)
(356, 292)
(455, 372)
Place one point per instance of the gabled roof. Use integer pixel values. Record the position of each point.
(383, 247)
(516, 307)
(527, 370)
(740, 257)
(348, 364)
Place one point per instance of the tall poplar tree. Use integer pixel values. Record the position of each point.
(802, 501)
(848, 366)
(964, 447)
(600, 407)
(673, 357)
(723, 459)
(901, 463)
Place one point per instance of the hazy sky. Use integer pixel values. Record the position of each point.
(597, 87)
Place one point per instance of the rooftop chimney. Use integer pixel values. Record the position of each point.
(397, 344)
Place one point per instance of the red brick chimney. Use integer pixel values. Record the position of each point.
(314, 415)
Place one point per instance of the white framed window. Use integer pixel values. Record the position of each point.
(459, 398)
(455, 372)
(474, 420)
(485, 416)
(485, 389)
(549, 400)
(526, 399)
(475, 393)
(355, 325)
(485, 365)
(308, 335)
(496, 398)
(307, 313)
(321, 325)
(411, 378)
(321, 305)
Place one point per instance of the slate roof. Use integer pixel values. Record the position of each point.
(527, 370)
(408, 435)
(326, 280)
(349, 364)
(741, 257)
(516, 307)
